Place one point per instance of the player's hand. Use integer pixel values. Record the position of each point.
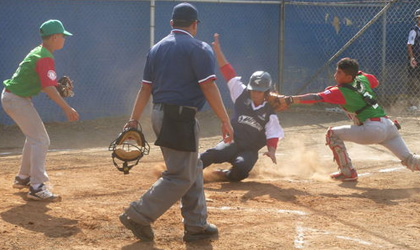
(216, 43)
(131, 124)
(71, 114)
(227, 132)
(413, 62)
(272, 155)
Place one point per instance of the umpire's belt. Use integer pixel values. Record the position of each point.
(160, 106)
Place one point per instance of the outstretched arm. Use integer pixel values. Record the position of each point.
(221, 59)
(227, 70)
(307, 98)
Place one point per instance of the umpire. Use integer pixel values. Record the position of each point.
(180, 74)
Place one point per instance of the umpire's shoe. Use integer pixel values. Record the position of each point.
(142, 232)
(210, 231)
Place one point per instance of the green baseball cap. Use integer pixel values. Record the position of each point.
(52, 27)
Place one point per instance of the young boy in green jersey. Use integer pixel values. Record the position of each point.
(354, 94)
(36, 73)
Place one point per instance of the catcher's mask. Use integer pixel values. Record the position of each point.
(129, 147)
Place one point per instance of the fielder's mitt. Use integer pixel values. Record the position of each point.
(130, 146)
(277, 101)
(65, 87)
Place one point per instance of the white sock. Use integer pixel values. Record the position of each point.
(36, 186)
(23, 176)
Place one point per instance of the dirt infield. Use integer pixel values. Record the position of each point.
(291, 205)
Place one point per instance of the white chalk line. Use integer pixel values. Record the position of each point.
(299, 241)
(384, 170)
(268, 210)
(62, 150)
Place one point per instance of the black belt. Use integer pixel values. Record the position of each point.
(160, 106)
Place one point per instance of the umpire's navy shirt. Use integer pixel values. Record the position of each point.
(175, 67)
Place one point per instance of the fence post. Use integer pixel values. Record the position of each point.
(281, 47)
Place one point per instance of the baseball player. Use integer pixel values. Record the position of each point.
(179, 73)
(413, 49)
(36, 73)
(254, 121)
(354, 94)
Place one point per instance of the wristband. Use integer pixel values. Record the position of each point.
(289, 100)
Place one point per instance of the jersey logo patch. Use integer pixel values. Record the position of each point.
(51, 74)
(250, 121)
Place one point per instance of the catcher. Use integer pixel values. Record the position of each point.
(254, 121)
(354, 94)
(35, 74)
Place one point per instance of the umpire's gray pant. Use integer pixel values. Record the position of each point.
(183, 180)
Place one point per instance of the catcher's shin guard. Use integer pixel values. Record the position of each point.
(412, 162)
(340, 152)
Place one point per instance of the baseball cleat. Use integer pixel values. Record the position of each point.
(20, 183)
(42, 194)
(339, 176)
(211, 231)
(142, 232)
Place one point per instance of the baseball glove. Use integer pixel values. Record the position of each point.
(129, 147)
(277, 101)
(65, 87)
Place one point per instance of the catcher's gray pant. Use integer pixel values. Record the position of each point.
(381, 132)
(183, 180)
(34, 153)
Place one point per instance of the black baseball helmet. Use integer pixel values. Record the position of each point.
(260, 81)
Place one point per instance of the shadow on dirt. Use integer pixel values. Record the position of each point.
(387, 196)
(34, 216)
(201, 244)
(258, 189)
(141, 245)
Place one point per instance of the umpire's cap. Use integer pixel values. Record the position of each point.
(185, 12)
(260, 81)
(417, 13)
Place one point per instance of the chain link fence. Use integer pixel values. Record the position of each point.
(373, 32)
(298, 42)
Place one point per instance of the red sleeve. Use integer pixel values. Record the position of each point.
(227, 71)
(272, 142)
(333, 95)
(46, 72)
(371, 78)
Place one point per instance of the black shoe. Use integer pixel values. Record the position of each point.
(42, 194)
(20, 183)
(142, 232)
(210, 232)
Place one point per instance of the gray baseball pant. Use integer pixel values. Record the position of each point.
(183, 180)
(381, 132)
(23, 112)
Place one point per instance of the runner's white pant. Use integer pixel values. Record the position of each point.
(34, 153)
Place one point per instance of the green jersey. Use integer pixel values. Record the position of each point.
(35, 72)
(352, 98)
